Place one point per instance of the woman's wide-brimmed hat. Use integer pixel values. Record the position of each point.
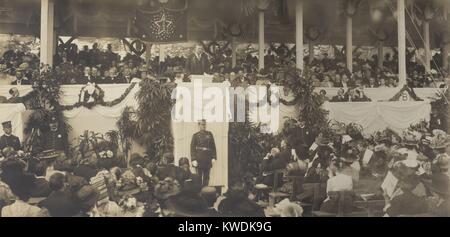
(439, 140)
(411, 138)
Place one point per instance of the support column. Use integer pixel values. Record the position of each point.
(233, 52)
(299, 34)
(148, 53)
(380, 54)
(401, 29)
(349, 43)
(311, 51)
(261, 42)
(162, 53)
(445, 52)
(47, 32)
(426, 33)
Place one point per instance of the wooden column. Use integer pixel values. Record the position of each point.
(426, 33)
(401, 29)
(311, 51)
(445, 52)
(349, 43)
(261, 43)
(148, 53)
(233, 52)
(299, 34)
(380, 54)
(162, 53)
(47, 32)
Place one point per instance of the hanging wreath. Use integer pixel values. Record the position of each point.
(91, 96)
(134, 45)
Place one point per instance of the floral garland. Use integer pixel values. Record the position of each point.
(99, 99)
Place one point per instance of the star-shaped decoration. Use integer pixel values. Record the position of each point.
(163, 24)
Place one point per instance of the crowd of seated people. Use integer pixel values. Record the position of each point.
(75, 66)
(408, 174)
(63, 187)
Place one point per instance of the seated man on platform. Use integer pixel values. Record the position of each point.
(273, 161)
(340, 97)
(8, 139)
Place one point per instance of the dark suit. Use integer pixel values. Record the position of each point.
(55, 141)
(165, 171)
(11, 141)
(203, 150)
(273, 163)
(40, 188)
(197, 65)
(336, 98)
(60, 204)
(85, 171)
(86, 79)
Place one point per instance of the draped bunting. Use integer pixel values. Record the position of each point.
(377, 116)
(386, 93)
(162, 26)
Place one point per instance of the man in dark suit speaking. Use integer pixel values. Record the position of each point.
(198, 62)
(203, 152)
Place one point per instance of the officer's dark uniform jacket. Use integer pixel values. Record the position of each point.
(203, 148)
(11, 141)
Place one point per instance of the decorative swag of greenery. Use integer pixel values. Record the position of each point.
(99, 99)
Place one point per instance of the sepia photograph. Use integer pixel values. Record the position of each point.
(224, 109)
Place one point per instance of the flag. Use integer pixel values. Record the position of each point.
(162, 26)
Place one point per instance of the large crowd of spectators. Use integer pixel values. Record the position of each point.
(78, 66)
(344, 171)
(408, 173)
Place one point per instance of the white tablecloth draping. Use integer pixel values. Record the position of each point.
(384, 94)
(377, 116)
(13, 113)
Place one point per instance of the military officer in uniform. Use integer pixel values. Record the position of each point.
(203, 152)
(54, 138)
(9, 140)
